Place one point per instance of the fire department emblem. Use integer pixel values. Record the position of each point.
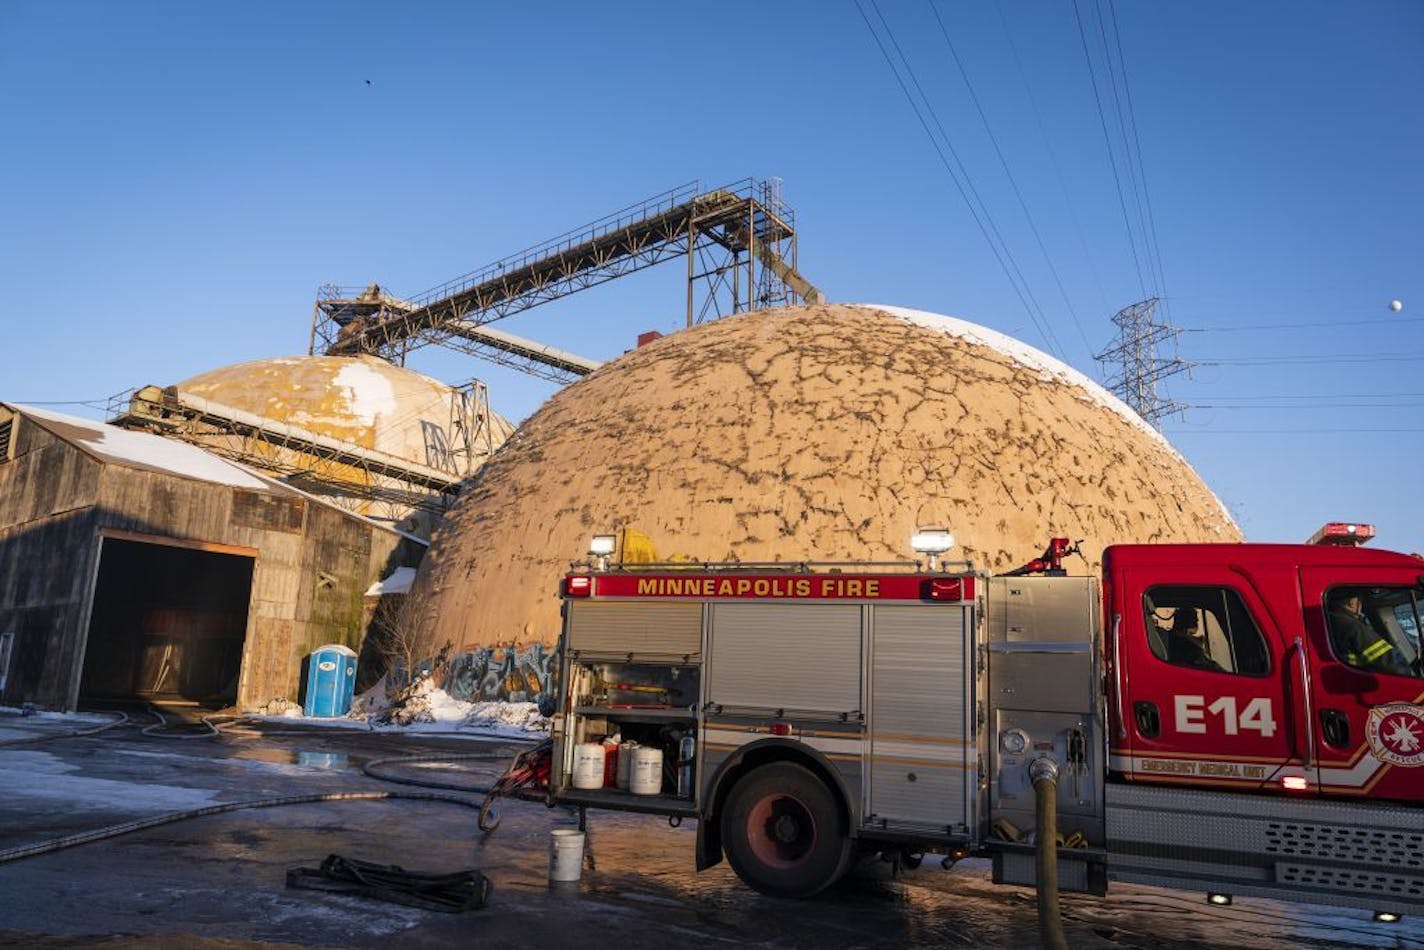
(1395, 732)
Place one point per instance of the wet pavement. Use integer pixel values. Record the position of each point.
(219, 881)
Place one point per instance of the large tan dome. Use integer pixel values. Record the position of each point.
(825, 433)
(362, 400)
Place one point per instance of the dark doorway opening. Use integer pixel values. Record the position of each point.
(167, 623)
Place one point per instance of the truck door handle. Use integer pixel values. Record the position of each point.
(1335, 728)
(1149, 723)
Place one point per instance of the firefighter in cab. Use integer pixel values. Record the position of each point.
(1356, 640)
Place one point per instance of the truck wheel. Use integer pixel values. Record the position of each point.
(783, 832)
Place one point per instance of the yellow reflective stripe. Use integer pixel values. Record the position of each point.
(1376, 650)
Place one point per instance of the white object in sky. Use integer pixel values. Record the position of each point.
(1396, 305)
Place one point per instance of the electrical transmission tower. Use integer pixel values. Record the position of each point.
(1138, 365)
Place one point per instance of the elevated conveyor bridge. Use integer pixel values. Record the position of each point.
(739, 242)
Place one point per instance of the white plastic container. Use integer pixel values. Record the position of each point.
(565, 854)
(625, 763)
(645, 773)
(588, 765)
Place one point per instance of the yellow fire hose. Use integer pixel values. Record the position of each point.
(1044, 774)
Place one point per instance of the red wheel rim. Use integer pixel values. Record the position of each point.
(781, 830)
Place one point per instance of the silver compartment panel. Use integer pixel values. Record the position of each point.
(922, 767)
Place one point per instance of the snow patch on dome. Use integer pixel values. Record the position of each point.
(372, 394)
(1047, 367)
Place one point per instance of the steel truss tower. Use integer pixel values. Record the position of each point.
(1138, 365)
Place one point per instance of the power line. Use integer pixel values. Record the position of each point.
(88, 403)
(965, 188)
(1035, 310)
(1052, 156)
(1320, 431)
(1107, 142)
(1321, 396)
(1305, 359)
(1127, 159)
(1273, 407)
(1013, 183)
(1296, 326)
(1155, 247)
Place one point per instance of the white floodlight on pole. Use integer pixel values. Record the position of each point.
(601, 547)
(931, 542)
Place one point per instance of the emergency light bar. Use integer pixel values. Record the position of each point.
(1344, 533)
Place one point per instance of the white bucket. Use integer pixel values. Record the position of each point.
(588, 765)
(565, 854)
(645, 774)
(625, 763)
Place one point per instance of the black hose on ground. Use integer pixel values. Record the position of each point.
(1044, 774)
(142, 824)
(373, 769)
(69, 734)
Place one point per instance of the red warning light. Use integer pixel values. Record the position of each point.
(1343, 533)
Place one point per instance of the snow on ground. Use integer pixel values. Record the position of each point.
(78, 720)
(32, 774)
(428, 709)
(398, 583)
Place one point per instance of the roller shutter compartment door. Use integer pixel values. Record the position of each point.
(920, 719)
(802, 658)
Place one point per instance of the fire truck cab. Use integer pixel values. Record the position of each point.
(1240, 719)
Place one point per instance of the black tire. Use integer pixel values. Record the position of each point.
(783, 832)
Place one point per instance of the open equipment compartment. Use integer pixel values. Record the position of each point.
(649, 695)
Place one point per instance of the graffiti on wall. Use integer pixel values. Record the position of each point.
(508, 673)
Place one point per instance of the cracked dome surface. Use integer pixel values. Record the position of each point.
(808, 433)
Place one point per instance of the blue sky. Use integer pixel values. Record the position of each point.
(179, 178)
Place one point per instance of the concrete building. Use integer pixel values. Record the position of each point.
(133, 565)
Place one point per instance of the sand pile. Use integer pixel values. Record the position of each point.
(825, 433)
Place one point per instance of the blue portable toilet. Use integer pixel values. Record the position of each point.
(331, 681)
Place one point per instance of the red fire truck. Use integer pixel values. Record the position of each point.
(1228, 718)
